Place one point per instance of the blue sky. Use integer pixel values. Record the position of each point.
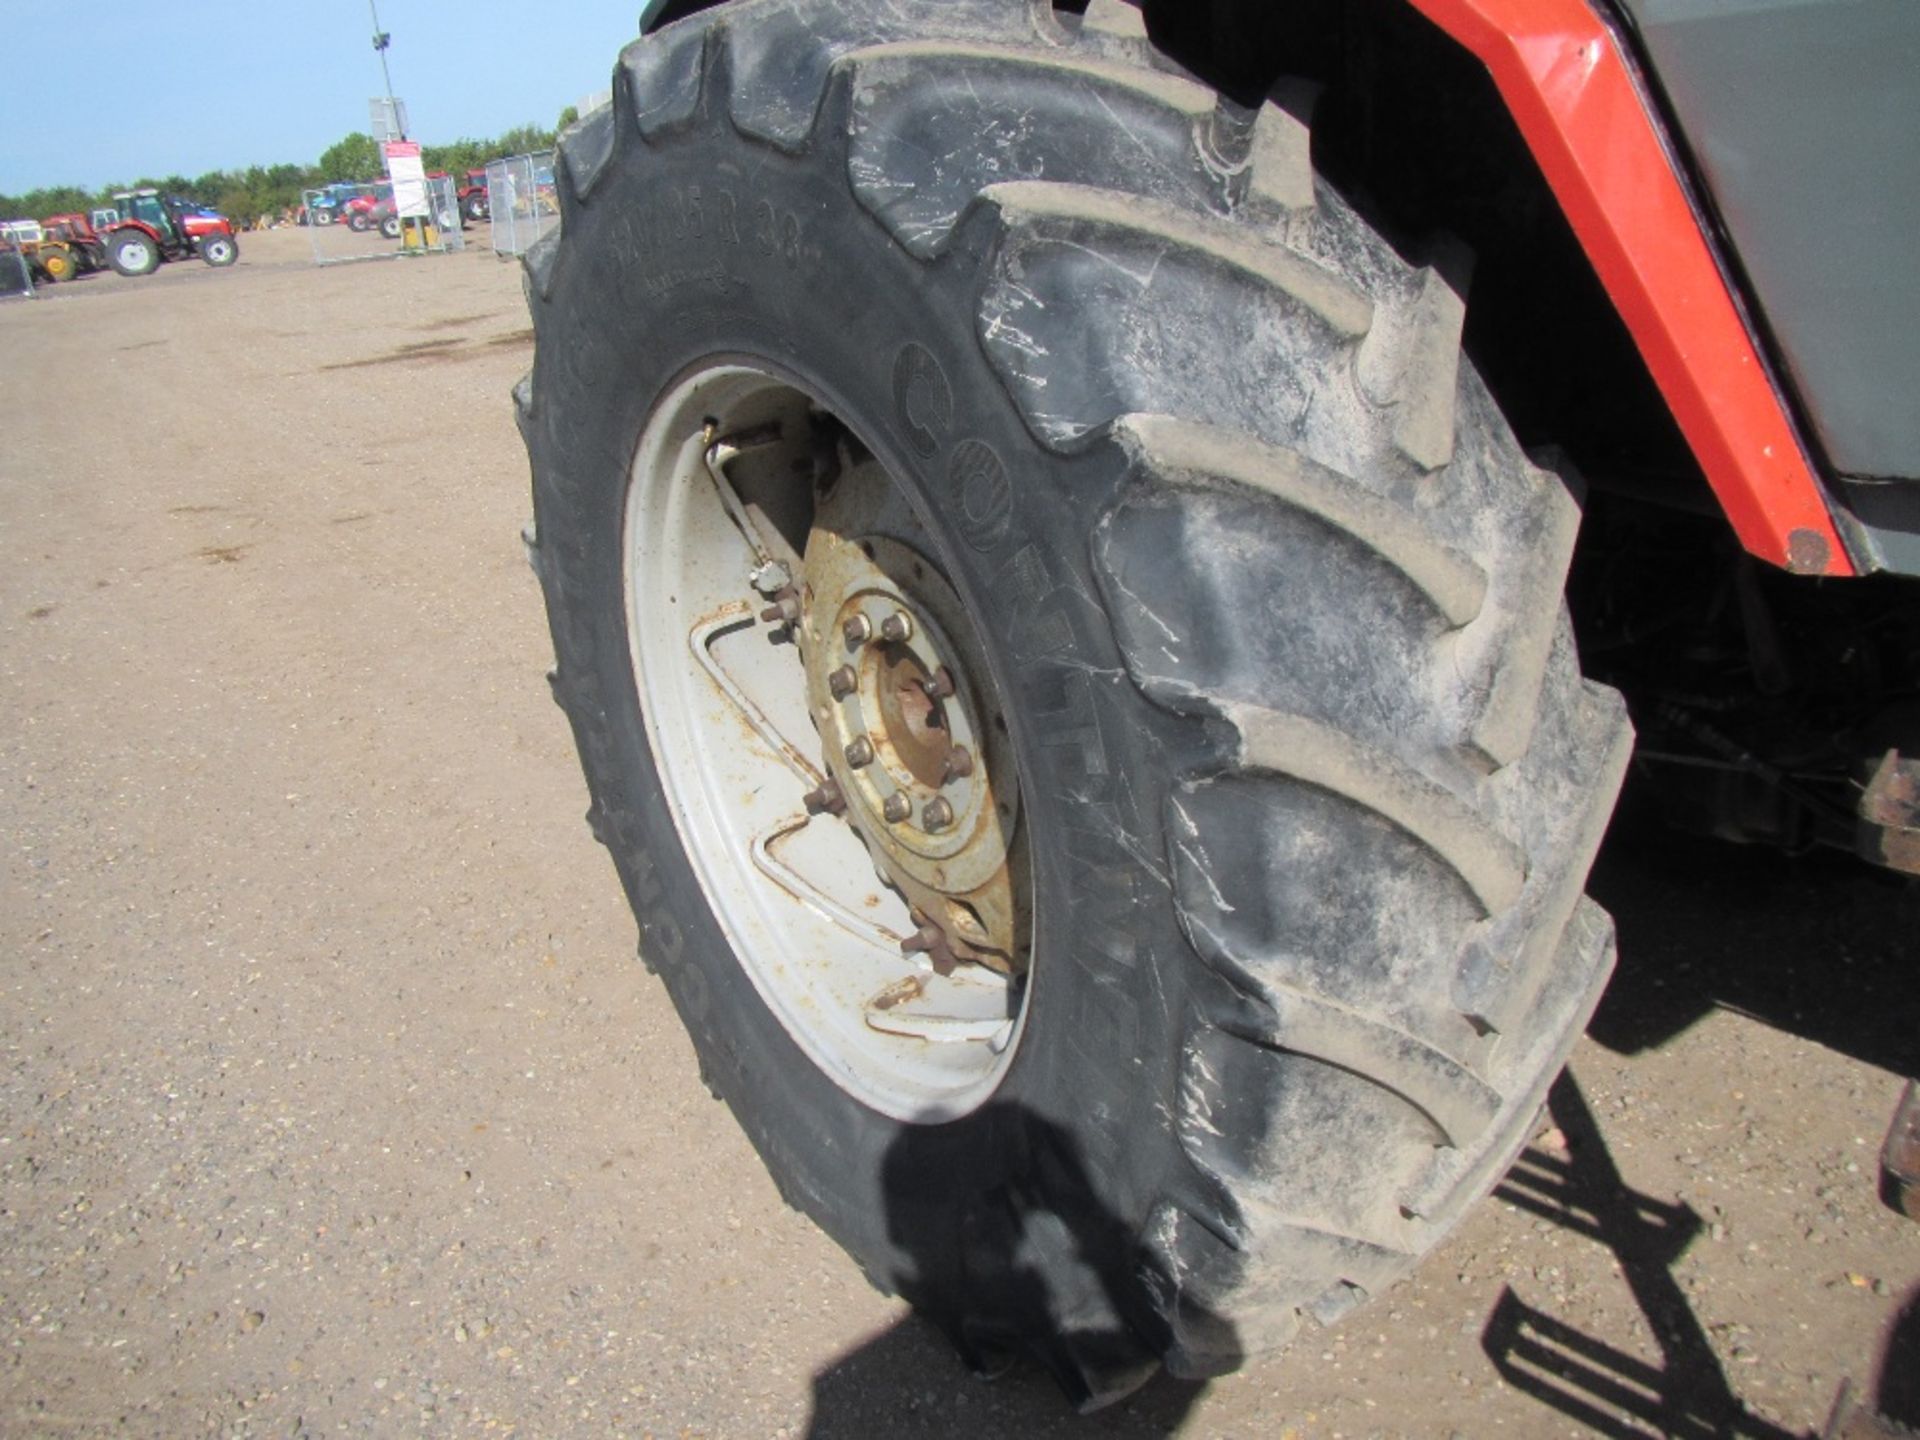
(112, 89)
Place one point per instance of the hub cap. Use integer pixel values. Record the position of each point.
(835, 755)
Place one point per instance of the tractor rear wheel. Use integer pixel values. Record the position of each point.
(132, 252)
(1069, 666)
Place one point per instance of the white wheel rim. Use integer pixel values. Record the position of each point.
(726, 718)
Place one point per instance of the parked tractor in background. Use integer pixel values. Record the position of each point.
(473, 196)
(44, 263)
(357, 212)
(154, 228)
(83, 249)
(19, 271)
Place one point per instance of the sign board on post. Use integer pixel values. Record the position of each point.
(388, 117)
(409, 179)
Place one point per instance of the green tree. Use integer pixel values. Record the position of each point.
(524, 140)
(567, 117)
(264, 190)
(356, 157)
(457, 157)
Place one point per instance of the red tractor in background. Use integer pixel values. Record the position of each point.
(153, 228)
(377, 210)
(356, 213)
(83, 245)
(473, 196)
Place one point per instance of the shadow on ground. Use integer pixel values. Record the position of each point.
(1604, 1388)
(1020, 1251)
(1818, 946)
(907, 1381)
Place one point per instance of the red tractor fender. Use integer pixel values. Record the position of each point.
(140, 225)
(1580, 108)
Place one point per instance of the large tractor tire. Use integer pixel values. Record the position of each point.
(132, 252)
(58, 262)
(967, 454)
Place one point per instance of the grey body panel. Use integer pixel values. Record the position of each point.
(1803, 117)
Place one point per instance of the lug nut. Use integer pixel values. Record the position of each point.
(896, 808)
(858, 630)
(937, 814)
(860, 753)
(939, 685)
(897, 627)
(841, 682)
(827, 799)
(957, 766)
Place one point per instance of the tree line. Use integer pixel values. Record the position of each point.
(269, 189)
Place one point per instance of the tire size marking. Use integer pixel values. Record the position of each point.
(776, 232)
(715, 215)
(699, 233)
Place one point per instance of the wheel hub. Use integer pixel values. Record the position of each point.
(912, 752)
(829, 740)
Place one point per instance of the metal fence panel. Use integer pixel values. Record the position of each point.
(522, 201)
(15, 277)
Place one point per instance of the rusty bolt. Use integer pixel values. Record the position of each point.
(785, 609)
(930, 939)
(897, 627)
(840, 683)
(858, 630)
(860, 752)
(826, 799)
(939, 685)
(957, 766)
(937, 814)
(896, 807)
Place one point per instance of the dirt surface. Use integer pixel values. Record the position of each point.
(335, 1101)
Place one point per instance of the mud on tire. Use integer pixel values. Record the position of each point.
(1313, 779)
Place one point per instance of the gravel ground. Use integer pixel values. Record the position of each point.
(334, 1099)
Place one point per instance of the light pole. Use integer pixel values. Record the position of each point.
(381, 40)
